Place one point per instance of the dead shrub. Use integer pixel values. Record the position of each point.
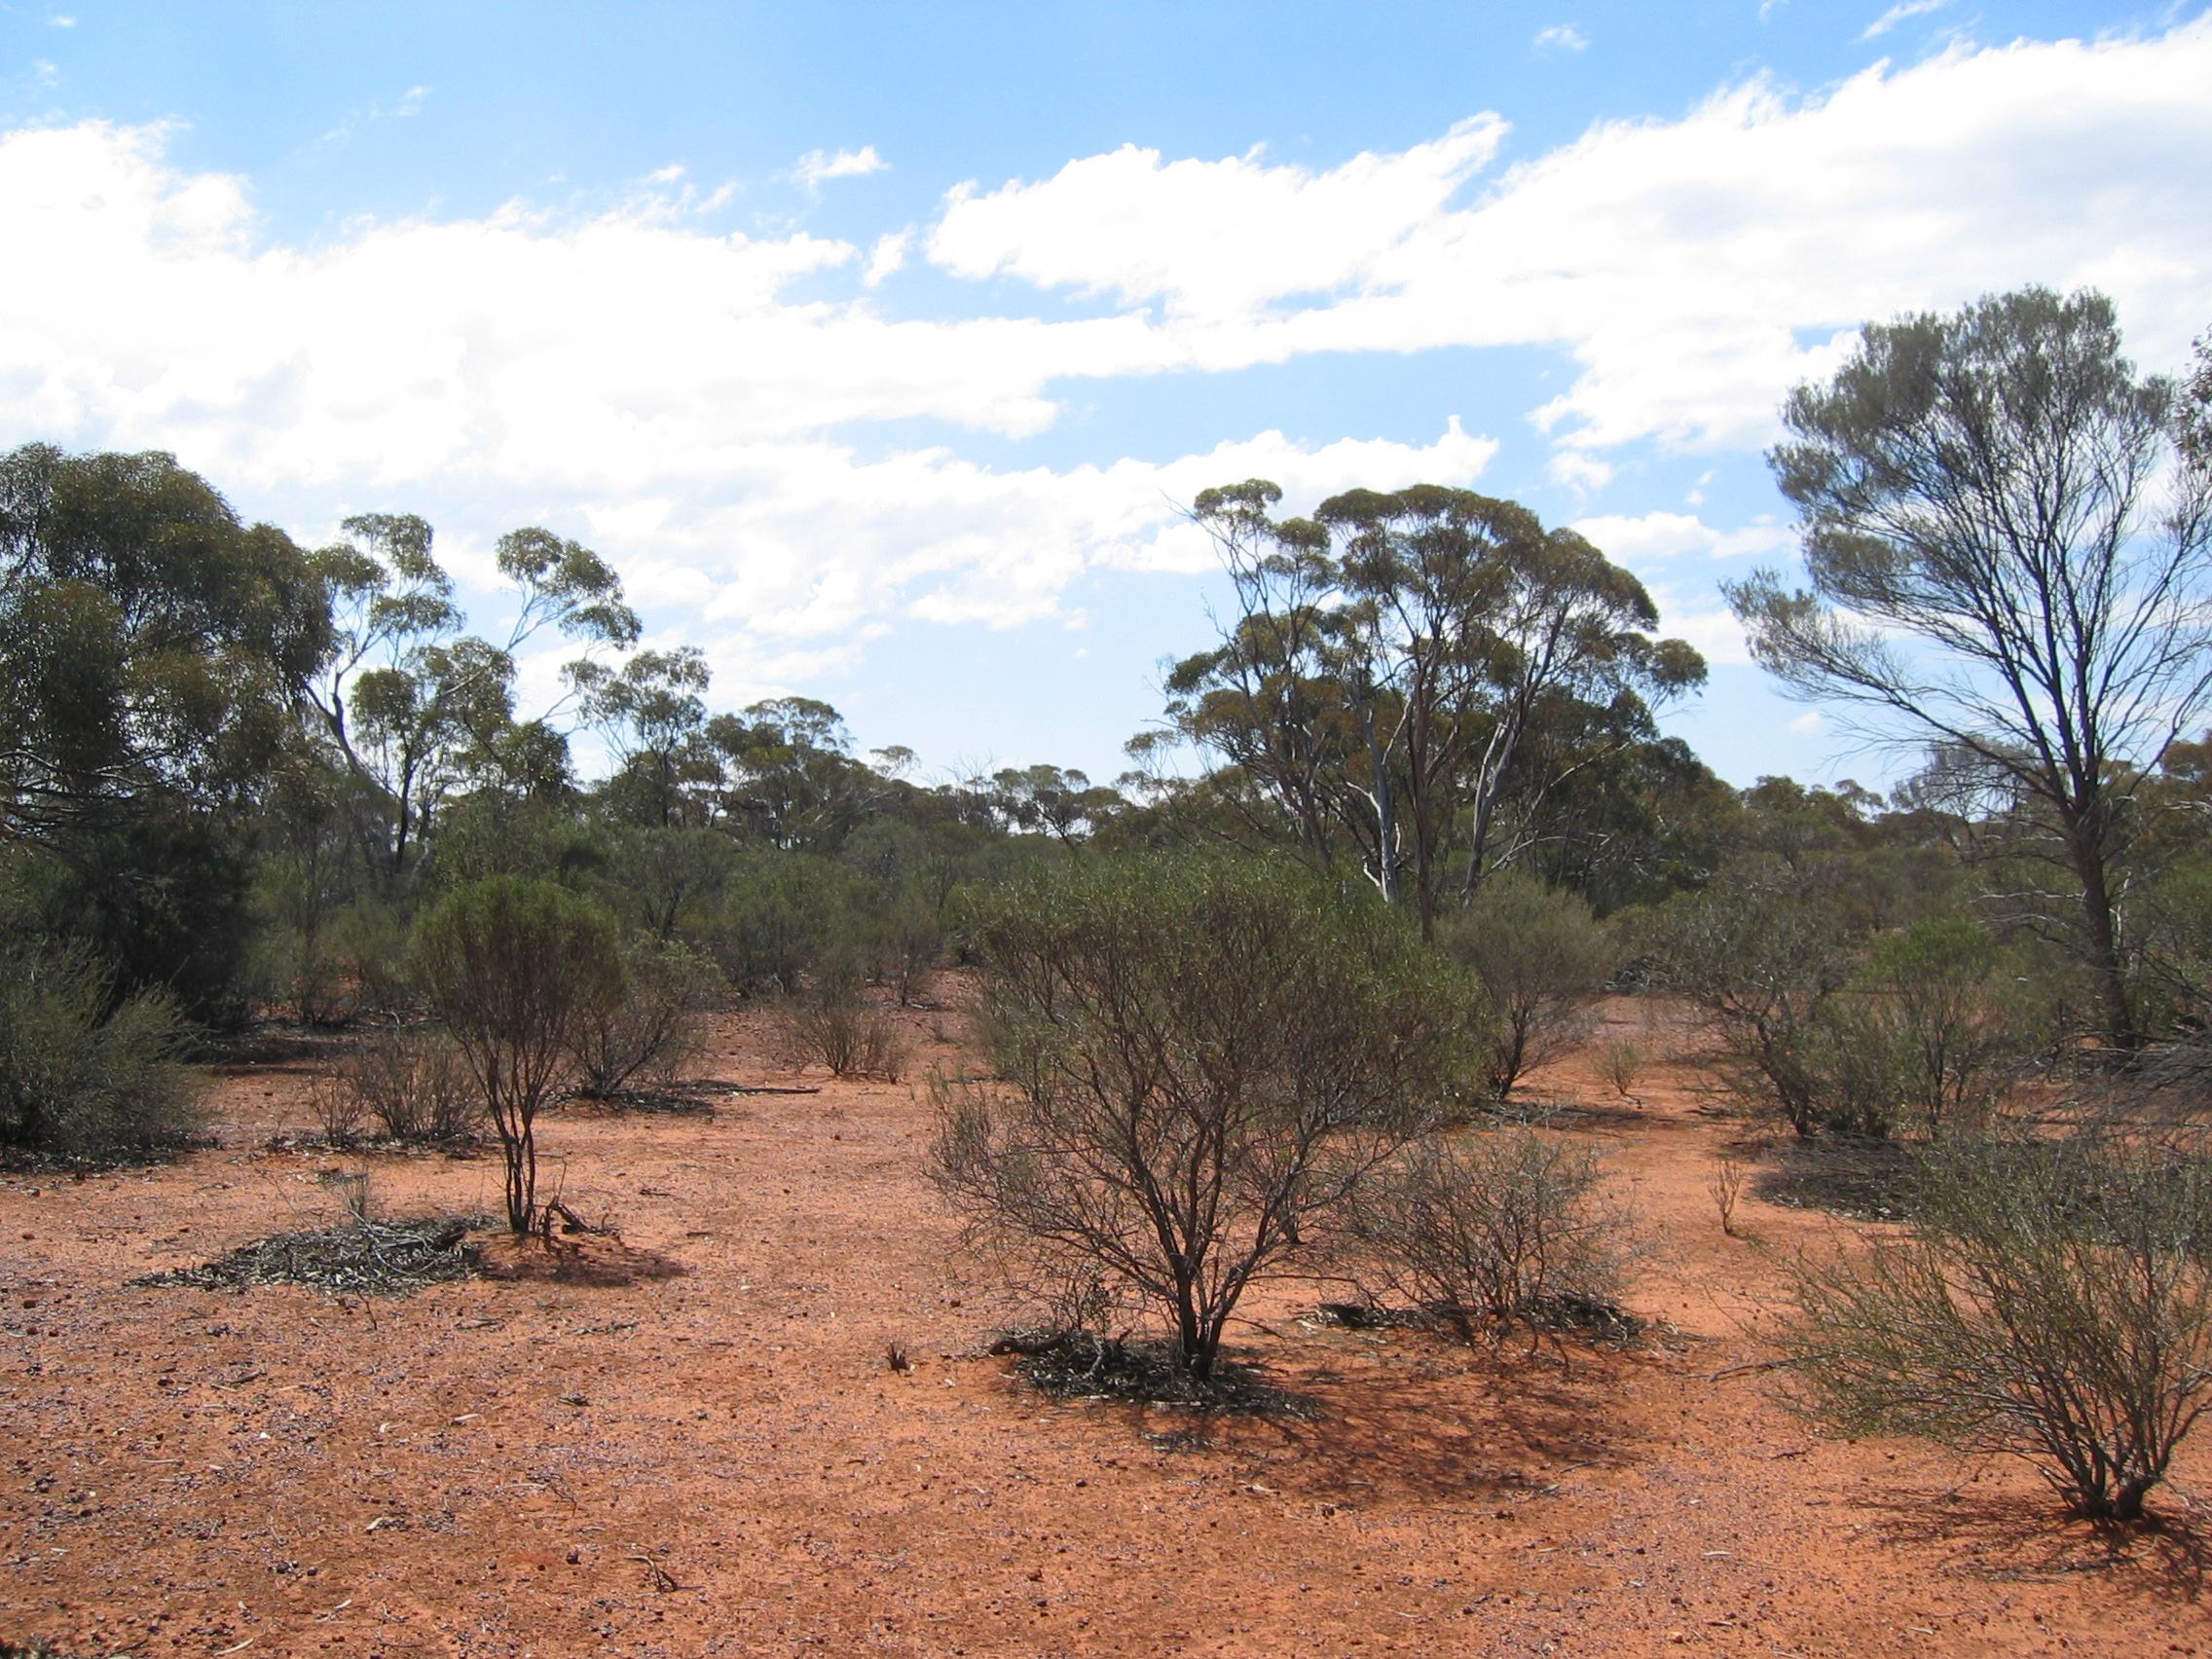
(410, 1082)
(1623, 1066)
(648, 1023)
(1727, 1185)
(1499, 1228)
(830, 1025)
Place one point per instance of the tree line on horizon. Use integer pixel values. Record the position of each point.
(238, 768)
(1262, 1005)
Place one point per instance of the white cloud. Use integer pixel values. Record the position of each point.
(411, 102)
(1638, 538)
(817, 166)
(1218, 240)
(1904, 10)
(1580, 472)
(1811, 723)
(1562, 37)
(626, 378)
(1695, 268)
(675, 390)
(1712, 629)
(886, 258)
(61, 23)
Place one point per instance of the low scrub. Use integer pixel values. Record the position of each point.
(80, 1079)
(830, 1025)
(2053, 1302)
(402, 1083)
(649, 1022)
(1539, 957)
(1503, 1228)
(1198, 1065)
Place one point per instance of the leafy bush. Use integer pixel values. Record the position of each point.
(1538, 955)
(650, 1021)
(2053, 1303)
(409, 1083)
(509, 967)
(1204, 1062)
(830, 1025)
(776, 910)
(1759, 954)
(1496, 1229)
(79, 1079)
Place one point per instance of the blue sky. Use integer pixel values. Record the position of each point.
(879, 346)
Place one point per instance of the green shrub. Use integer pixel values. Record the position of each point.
(1539, 956)
(1203, 1061)
(78, 1078)
(1937, 1037)
(651, 1022)
(777, 910)
(511, 967)
(1759, 952)
(2053, 1303)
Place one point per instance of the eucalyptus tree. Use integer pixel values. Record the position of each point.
(152, 649)
(789, 775)
(151, 642)
(652, 713)
(1389, 657)
(410, 704)
(2009, 548)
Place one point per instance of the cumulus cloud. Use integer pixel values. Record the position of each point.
(817, 166)
(886, 258)
(1695, 268)
(1219, 239)
(703, 401)
(1638, 539)
(1562, 37)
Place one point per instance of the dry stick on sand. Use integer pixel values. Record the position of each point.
(1727, 1185)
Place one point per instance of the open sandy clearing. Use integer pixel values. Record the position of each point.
(697, 1448)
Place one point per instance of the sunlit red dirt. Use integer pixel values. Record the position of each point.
(689, 1442)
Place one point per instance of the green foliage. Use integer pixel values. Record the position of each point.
(1401, 667)
(1205, 1060)
(151, 644)
(1759, 952)
(668, 883)
(776, 911)
(2054, 1303)
(161, 899)
(1926, 1030)
(1997, 487)
(1539, 956)
(81, 1075)
(511, 967)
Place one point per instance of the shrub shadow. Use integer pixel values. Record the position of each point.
(2015, 1536)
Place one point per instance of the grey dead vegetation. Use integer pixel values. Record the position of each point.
(359, 1258)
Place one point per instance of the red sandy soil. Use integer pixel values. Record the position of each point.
(696, 1446)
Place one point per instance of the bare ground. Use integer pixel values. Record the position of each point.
(689, 1442)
